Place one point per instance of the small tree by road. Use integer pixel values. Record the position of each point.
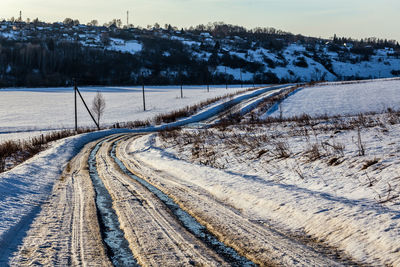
(98, 106)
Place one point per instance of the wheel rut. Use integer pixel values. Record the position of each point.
(185, 219)
(158, 231)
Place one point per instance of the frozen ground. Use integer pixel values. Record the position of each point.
(348, 201)
(30, 110)
(336, 181)
(342, 99)
(24, 189)
(326, 181)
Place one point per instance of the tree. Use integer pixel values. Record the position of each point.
(94, 22)
(115, 23)
(98, 106)
(68, 22)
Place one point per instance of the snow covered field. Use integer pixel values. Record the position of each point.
(336, 181)
(342, 99)
(25, 112)
(348, 201)
(26, 187)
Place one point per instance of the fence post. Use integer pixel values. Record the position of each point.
(76, 111)
(144, 101)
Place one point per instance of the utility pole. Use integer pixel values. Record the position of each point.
(87, 108)
(241, 81)
(20, 16)
(127, 18)
(144, 101)
(180, 78)
(208, 82)
(76, 111)
(226, 79)
(181, 91)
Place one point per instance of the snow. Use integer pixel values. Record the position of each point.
(334, 204)
(27, 186)
(245, 76)
(120, 45)
(351, 205)
(12, 35)
(38, 109)
(345, 99)
(342, 66)
(341, 205)
(191, 43)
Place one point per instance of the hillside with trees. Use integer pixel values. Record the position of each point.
(42, 54)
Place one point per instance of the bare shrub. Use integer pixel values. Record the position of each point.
(334, 161)
(261, 153)
(132, 124)
(313, 152)
(19, 151)
(299, 172)
(390, 195)
(371, 181)
(393, 117)
(338, 148)
(359, 143)
(281, 150)
(369, 163)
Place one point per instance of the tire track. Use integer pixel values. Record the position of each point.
(190, 223)
(156, 238)
(111, 232)
(260, 243)
(66, 231)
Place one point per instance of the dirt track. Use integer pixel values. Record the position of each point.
(67, 231)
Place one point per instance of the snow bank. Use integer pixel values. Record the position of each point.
(331, 206)
(24, 188)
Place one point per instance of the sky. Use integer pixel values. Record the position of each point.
(317, 18)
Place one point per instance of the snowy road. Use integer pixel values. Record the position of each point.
(67, 231)
(165, 219)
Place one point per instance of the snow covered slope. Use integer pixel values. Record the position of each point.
(342, 99)
(334, 180)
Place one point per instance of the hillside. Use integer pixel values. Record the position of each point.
(42, 54)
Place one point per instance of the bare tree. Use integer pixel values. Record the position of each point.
(98, 106)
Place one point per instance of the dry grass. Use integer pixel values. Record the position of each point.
(13, 153)
(180, 113)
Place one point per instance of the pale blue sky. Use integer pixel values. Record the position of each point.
(319, 18)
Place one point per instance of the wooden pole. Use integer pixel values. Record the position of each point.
(88, 110)
(144, 101)
(180, 77)
(226, 79)
(76, 111)
(241, 81)
(208, 82)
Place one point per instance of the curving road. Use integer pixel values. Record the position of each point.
(111, 209)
